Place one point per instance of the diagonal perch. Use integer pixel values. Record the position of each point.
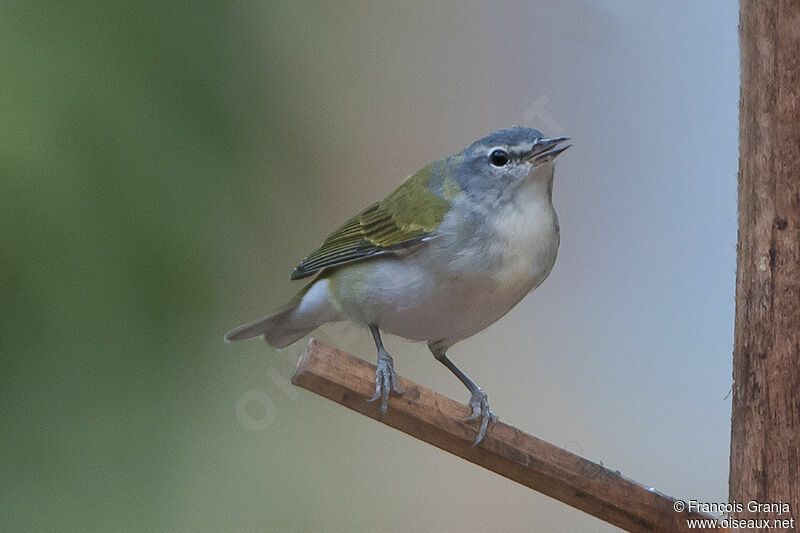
(438, 420)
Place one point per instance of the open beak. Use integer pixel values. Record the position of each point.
(545, 150)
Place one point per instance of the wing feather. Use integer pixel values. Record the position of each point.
(403, 219)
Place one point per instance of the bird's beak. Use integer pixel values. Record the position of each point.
(545, 150)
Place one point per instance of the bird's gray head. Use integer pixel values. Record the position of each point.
(501, 161)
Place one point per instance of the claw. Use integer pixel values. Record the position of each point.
(476, 411)
(385, 380)
(480, 409)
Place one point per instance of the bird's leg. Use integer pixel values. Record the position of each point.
(477, 400)
(385, 376)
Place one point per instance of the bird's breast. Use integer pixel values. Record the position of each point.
(511, 244)
(524, 243)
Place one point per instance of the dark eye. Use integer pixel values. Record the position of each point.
(498, 158)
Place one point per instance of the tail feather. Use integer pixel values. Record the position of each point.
(247, 331)
(279, 330)
(306, 312)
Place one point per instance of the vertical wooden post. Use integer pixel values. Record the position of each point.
(765, 433)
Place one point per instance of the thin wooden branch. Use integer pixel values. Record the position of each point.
(506, 450)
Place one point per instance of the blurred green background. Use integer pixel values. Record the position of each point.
(165, 165)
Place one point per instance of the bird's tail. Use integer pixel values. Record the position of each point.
(307, 311)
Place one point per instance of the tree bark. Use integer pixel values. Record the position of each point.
(765, 430)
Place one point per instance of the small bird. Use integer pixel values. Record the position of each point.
(445, 255)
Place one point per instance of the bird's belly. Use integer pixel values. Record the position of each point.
(407, 299)
(455, 314)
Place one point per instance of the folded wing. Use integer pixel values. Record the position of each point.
(405, 218)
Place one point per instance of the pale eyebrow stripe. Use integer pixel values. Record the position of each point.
(522, 147)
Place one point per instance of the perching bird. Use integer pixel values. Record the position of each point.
(445, 255)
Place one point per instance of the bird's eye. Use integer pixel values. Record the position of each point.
(498, 158)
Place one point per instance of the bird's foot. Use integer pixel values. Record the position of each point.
(385, 380)
(480, 409)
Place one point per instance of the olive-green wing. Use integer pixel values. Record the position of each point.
(404, 218)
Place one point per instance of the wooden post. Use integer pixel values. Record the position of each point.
(506, 450)
(765, 432)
